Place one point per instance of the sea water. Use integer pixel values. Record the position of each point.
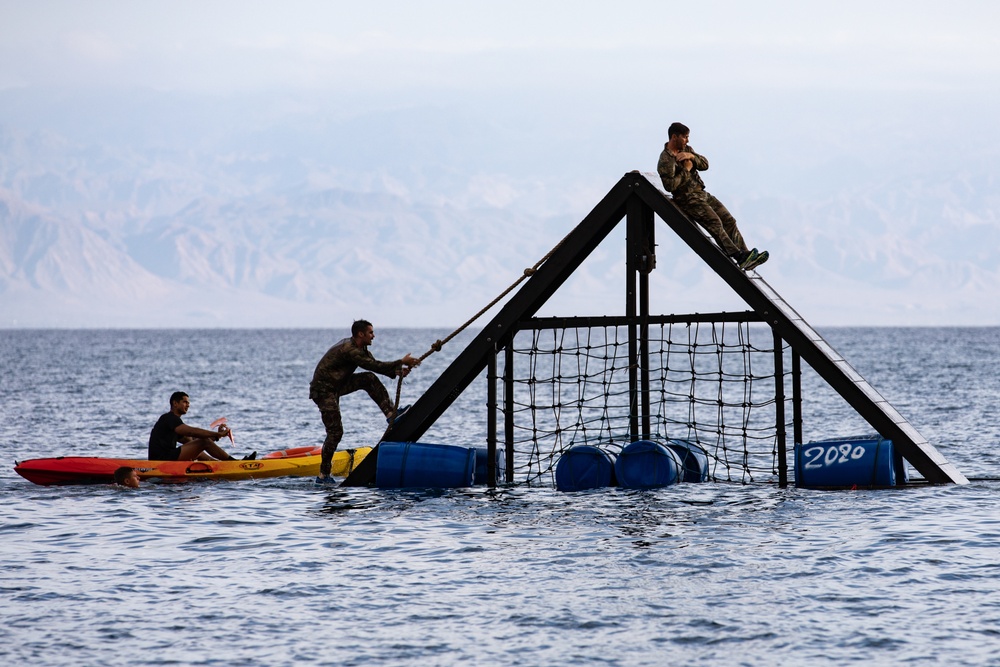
(284, 571)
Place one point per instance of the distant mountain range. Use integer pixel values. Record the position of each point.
(91, 236)
(97, 234)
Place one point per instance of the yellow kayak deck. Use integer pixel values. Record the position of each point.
(95, 470)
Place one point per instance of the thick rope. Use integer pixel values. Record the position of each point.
(438, 344)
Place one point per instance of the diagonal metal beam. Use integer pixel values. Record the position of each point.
(575, 248)
(805, 340)
(760, 296)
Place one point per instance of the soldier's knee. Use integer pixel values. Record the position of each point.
(333, 439)
(332, 421)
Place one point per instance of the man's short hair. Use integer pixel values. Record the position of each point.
(121, 474)
(359, 326)
(678, 128)
(177, 396)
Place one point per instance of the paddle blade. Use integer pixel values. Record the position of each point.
(219, 422)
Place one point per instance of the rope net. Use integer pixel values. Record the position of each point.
(712, 384)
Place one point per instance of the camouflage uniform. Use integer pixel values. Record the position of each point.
(335, 377)
(689, 192)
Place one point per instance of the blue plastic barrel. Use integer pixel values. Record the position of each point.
(584, 467)
(863, 462)
(694, 459)
(404, 465)
(645, 464)
(482, 458)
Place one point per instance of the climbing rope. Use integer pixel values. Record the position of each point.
(438, 344)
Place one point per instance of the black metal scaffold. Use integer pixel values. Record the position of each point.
(638, 198)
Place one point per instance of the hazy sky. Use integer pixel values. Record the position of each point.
(809, 80)
(383, 47)
(791, 100)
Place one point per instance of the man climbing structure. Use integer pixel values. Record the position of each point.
(678, 168)
(335, 377)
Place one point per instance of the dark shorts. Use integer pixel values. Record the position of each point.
(166, 454)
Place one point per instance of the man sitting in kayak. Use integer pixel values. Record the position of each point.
(195, 443)
(335, 377)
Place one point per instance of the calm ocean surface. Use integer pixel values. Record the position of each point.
(282, 572)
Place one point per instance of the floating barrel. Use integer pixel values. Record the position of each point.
(645, 464)
(403, 465)
(694, 460)
(482, 458)
(865, 462)
(584, 467)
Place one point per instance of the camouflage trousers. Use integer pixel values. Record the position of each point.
(329, 409)
(710, 213)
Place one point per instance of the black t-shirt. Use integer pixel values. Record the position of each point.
(163, 438)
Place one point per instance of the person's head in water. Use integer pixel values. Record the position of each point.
(126, 476)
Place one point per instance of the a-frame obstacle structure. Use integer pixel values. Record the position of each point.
(638, 198)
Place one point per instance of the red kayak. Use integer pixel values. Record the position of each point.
(296, 462)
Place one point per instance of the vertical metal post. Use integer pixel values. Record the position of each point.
(633, 253)
(647, 262)
(796, 397)
(508, 397)
(491, 419)
(640, 260)
(779, 407)
(644, 352)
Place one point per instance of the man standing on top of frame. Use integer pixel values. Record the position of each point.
(335, 377)
(678, 167)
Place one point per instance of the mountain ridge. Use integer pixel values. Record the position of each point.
(105, 235)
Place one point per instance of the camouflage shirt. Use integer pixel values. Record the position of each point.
(678, 181)
(340, 362)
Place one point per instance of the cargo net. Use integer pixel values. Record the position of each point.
(709, 384)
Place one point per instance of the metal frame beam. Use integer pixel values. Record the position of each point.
(575, 248)
(640, 195)
(833, 368)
